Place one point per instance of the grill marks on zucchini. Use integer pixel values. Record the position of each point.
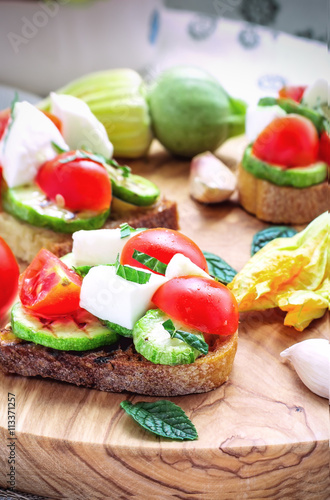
(80, 332)
(31, 205)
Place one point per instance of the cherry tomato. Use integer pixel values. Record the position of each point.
(4, 119)
(48, 287)
(9, 273)
(324, 153)
(290, 141)
(292, 92)
(57, 122)
(200, 303)
(162, 244)
(82, 184)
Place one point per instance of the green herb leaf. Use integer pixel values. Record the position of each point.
(162, 418)
(11, 121)
(263, 237)
(125, 169)
(58, 148)
(169, 326)
(13, 103)
(82, 270)
(131, 274)
(126, 230)
(150, 262)
(188, 338)
(219, 269)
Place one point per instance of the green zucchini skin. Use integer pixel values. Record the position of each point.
(64, 334)
(298, 177)
(132, 189)
(30, 204)
(154, 343)
(289, 106)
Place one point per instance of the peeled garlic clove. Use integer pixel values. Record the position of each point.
(311, 360)
(211, 181)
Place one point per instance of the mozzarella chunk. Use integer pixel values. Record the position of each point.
(258, 117)
(27, 144)
(99, 246)
(112, 298)
(80, 127)
(316, 94)
(180, 265)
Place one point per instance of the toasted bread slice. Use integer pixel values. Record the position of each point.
(26, 240)
(281, 205)
(119, 367)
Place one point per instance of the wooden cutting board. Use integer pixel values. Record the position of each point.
(263, 434)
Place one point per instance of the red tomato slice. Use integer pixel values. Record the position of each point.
(57, 122)
(324, 153)
(48, 287)
(9, 273)
(292, 92)
(4, 119)
(290, 141)
(200, 303)
(162, 244)
(82, 184)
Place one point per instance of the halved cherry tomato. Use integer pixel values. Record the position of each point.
(162, 244)
(57, 122)
(4, 119)
(82, 184)
(200, 303)
(290, 141)
(9, 273)
(48, 287)
(324, 153)
(292, 92)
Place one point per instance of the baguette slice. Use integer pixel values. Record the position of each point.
(119, 367)
(278, 204)
(26, 240)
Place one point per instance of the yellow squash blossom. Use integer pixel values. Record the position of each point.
(290, 273)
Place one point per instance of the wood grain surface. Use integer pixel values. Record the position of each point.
(263, 434)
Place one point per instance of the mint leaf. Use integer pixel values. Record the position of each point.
(263, 237)
(162, 418)
(150, 262)
(219, 269)
(169, 326)
(126, 230)
(188, 338)
(124, 169)
(58, 148)
(11, 120)
(131, 274)
(82, 270)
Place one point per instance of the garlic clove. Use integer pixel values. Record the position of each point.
(311, 360)
(211, 181)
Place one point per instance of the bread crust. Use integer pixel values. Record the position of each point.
(119, 368)
(26, 240)
(278, 204)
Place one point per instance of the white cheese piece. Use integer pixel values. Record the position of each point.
(80, 127)
(258, 117)
(180, 265)
(112, 298)
(27, 144)
(99, 246)
(316, 94)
